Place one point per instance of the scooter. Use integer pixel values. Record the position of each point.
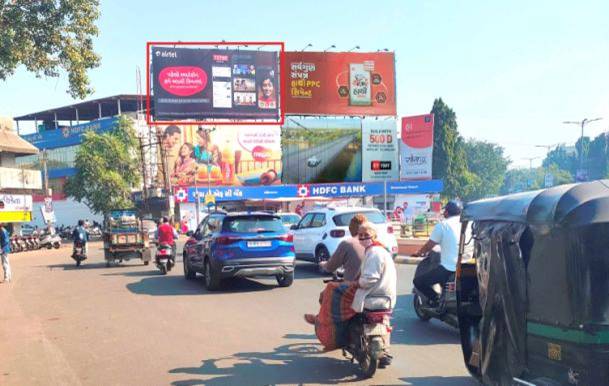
(50, 241)
(79, 253)
(446, 309)
(367, 335)
(164, 258)
(15, 245)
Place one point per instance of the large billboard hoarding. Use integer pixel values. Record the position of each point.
(226, 156)
(416, 147)
(339, 83)
(201, 83)
(380, 150)
(321, 150)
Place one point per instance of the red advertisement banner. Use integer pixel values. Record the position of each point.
(339, 83)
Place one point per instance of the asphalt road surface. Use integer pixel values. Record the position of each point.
(128, 325)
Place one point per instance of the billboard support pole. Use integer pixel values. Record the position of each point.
(385, 195)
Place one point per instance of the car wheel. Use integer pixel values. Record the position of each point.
(285, 280)
(321, 254)
(188, 273)
(212, 280)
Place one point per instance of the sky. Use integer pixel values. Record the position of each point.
(512, 71)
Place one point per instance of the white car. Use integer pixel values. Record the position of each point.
(319, 232)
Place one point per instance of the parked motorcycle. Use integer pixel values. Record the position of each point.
(79, 254)
(164, 258)
(368, 334)
(15, 245)
(446, 309)
(50, 241)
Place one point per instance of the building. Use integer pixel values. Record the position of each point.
(17, 184)
(58, 135)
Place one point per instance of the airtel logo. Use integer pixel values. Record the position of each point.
(167, 54)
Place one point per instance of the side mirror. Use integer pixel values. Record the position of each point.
(294, 227)
(190, 233)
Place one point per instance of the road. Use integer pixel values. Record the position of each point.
(295, 168)
(128, 325)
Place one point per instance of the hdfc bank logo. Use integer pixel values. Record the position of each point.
(303, 191)
(181, 195)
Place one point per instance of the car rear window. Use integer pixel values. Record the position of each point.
(343, 220)
(290, 219)
(253, 224)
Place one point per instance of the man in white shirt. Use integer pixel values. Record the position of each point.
(446, 234)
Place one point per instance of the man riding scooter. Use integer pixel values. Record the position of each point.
(166, 235)
(446, 234)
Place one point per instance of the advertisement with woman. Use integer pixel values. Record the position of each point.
(227, 156)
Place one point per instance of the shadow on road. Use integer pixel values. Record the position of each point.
(307, 270)
(150, 272)
(440, 381)
(409, 330)
(72, 266)
(292, 364)
(159, 285)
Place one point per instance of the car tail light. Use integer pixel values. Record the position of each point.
(287, 237)
(390, 229)
(226, 240)
(337, 233)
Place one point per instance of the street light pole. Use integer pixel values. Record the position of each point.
(530, 159)
(582, 124)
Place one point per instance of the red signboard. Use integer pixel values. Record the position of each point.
(339, 83)
(416, 148)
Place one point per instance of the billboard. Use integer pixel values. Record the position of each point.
(339, 83)
(380, 150)
(416, 147)
(229, 155)
(197, 83)
(321, 150)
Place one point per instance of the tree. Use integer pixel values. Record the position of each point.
(107, 169)
(487, 162)
(562, 159)
(50, 36)
(449, 161)
(525, 179)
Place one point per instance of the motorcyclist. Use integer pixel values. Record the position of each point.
(349, 253)
(80, 234)
(166, 235)
(446, 234)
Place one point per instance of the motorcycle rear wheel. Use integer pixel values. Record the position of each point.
(163, 269)
(367, 365)
(417, 304)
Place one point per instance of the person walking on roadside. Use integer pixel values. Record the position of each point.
(5, 244)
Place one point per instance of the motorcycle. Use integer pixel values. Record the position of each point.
(446, 309)
(368, 333)
(50, 241)
(164, 258)
(15, 245)
(79, 253)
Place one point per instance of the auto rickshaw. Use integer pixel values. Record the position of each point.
(533, 303)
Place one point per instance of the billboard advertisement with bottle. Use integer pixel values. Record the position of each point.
(226, 156)
(339, 83)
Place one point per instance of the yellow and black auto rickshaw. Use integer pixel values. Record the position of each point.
(533, 303)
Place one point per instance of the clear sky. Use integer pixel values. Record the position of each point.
(511, 70)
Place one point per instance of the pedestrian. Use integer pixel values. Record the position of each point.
(5, 244)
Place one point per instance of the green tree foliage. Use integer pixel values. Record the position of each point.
(48, 37)
(107, 169)
(597, 160)
(487, 162)
(524, 179)
(449, 159)
(562, 159)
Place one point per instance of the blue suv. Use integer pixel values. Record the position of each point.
(249, 244)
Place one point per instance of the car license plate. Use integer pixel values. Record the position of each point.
(258, 244)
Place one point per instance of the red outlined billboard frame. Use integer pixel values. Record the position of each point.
(282, 85)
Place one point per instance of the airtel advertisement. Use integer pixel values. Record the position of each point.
(380, 150)
(339, 83)
(416, 147)
(237, 155)
(195, 83)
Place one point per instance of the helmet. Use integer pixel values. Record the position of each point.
(453, 208)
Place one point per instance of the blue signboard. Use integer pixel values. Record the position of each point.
(355, 189)
(69, 135)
